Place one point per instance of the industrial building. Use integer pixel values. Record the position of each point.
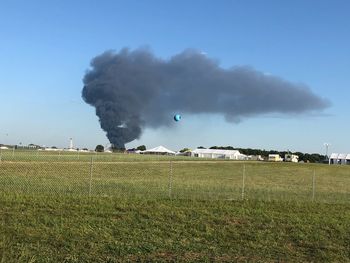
(220, 154)
(339, 158)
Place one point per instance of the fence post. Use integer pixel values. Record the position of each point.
(243, 181)
(13, 152)
(313, 185)
(91, 167)
(0, 155)
(170, 178)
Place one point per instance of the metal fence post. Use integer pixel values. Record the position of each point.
(243, 181)
(0, 155)
(313, 185)
(13, 153)
(91, 169)
(170, 178)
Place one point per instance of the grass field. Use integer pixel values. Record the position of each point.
(152, 208)
(72, 229)
(66, 156)
(153, 177)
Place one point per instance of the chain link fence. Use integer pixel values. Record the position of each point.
(152, 177)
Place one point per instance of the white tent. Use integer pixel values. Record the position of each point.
(159, 150)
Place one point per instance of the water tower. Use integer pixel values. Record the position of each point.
(70, 143)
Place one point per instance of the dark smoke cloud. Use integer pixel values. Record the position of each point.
(134, 89)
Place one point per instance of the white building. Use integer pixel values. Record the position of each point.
(291, 158)
(339, 158)
(255, 158)
(220, 154)
(52, 149)
(275, 158)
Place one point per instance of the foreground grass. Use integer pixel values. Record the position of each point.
(78, 229)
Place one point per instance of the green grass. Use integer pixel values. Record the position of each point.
(77, 229)
(179, 179)
(65, 156)
(134, 209)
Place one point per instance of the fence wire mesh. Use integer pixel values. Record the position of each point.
(147, 176)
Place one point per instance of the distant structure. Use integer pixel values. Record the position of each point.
(339, 158)
(54, 149)
(71, 147)
(160, 150)
(33, 146)
(275, 158)
(219, 154)
(291, 158)
(326, 144)
(255, 158)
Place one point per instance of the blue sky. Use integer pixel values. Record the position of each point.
(46, 48)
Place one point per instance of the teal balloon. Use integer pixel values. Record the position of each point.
(177, 117)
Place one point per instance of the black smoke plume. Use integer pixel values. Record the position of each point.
(134, 89)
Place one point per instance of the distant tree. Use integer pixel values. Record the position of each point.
(85, 149)
(141, 148)
(53, 147)
(99, 148)
(184, 150)
(201, 147)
